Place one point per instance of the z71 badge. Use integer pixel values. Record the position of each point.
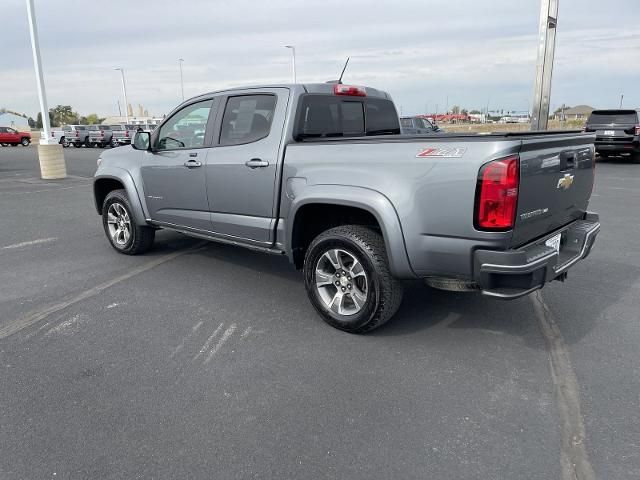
(442, 152)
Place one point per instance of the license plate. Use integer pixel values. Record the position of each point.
(610, 133)
(554, 242)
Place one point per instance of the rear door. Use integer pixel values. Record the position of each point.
(173, 173)
(241, 168)
(611, 126)
(556, 179)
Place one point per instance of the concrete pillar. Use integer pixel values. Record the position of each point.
(52, 164)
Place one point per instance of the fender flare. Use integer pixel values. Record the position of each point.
(124, 177)
(366, 199)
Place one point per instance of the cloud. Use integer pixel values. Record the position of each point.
(422, 52)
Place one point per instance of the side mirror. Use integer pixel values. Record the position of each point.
(142, 141)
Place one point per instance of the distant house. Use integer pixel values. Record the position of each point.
(14, 121)
(581, 112)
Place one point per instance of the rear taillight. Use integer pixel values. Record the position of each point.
(126, 133)
(77, 133)
(637, 129)
(497, 194)
(349, 90)
(102, 133)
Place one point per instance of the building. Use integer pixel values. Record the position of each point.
(14, 121)
(146, 120)
(581, 112)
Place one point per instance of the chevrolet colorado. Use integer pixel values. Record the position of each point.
(321, 174)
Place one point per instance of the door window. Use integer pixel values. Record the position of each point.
(247, 119)
(186, 128)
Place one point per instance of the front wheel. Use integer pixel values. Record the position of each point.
(77, 144)
(347, 277)
(4, 144)
(119, 225)
(25, 142)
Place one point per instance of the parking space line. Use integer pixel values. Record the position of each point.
(194, 329)
(30, 243)
(225, 336)
(55, 189)
(206, 345)
(42, 313)
(574, 458)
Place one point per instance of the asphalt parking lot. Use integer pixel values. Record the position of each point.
(200, 360)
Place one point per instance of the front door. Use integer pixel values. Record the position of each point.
(242, 166)
(173, 173)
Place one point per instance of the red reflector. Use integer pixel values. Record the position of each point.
(102, 133)
(77, 133)
(126, 133)
(637, 129)
(349, 90)
(497, 194)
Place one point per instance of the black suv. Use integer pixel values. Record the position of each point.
(617, 132)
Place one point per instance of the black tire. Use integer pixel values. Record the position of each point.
(64, 142)
(114, 143)
(140, 236)
(635, 157)
(77, 144)
(383, 291)
(4, 144)
(25, 142)
(87, 143)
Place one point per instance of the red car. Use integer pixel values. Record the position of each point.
(9, 136)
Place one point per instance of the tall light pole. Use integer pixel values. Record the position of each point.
(544, 68)
(180, 60)
(124, 91)
(621, 99)
(50, 155)
(293, 52)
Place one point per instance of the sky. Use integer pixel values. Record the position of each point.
(426, 53)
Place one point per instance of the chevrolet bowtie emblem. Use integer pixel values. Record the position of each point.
(565, 182)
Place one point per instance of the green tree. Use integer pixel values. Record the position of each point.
(32, 122)
(455, 109)
(91, 119)
(64, 114)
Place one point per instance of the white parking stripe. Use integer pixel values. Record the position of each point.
(31, 242)
(205, 347)
(225, 336)
(42, 313)
(194, 329)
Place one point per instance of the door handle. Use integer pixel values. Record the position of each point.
(192, 164)
(256, 163)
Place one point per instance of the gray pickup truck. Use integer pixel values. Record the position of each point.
(99, 135)
(321, 174)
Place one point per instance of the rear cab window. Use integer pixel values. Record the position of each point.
(326, 116)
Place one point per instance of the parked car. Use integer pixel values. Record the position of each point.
(100, 135)
(321, 174)
(417, 125)
(68, 135)
(11, 136)
(122, 134)
(617, 132)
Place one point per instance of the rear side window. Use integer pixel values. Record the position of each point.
(324, 116)
(80, 127)
(406, 122)
(604, 118)
(247, 119)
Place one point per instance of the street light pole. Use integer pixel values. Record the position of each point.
(37, 63)
(293, 52)
(50, 155)
(544, 69)
(124, 91)
(180, 60)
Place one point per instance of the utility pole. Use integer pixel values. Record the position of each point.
(621, 99)
(119, 110)
(544, 68)
(293, 59)
(124, 91)
(51, 156)
(180, 60)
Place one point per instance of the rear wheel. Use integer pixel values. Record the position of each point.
(120, 227)
(64, 142)
(77, 144)
(348, 281)
(4, 144)
(87, 143)
(114, 143)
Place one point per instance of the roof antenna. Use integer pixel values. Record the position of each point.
(345, 67)
(339, 81)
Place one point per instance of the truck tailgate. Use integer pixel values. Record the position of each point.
(556, 179)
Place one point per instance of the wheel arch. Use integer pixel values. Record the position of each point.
(115, 180)
(357, 203)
